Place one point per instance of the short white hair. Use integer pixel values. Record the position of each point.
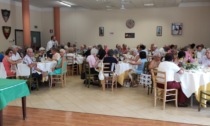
(94, 51)
(41, 49)
(29, 49)
(63, 50)
(157, 54)
(135, 50)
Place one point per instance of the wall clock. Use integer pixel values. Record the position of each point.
(130, 23)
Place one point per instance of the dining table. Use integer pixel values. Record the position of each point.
(193, 81)
(12, 89)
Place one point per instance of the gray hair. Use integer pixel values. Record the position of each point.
(29, 49)
(94, 51)
(63, 50)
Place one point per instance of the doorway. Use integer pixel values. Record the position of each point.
(35, 38)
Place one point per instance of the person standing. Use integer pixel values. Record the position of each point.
(52, 43)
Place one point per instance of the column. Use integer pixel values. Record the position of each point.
(57, 23)
(26, 23)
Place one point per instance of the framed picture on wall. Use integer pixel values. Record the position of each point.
(129, 35)
(159, 31)
(101, 31)
(176, 28)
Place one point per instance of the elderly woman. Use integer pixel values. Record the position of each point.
(140, 67)
(155, 62)
(135, 55)
(58, 68)
(93, 60)
(8, 62)
(56, 56)
(205, 60)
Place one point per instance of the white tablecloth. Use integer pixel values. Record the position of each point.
(192, 80)
(22, 70)
(121, 67)
(46, 66)
(3, 73)
(79, 58)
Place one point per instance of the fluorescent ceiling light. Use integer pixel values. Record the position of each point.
(66, 3)
(149, 4)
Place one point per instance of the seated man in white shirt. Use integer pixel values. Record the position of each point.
(33, 65)
(171, 69)
(56, 55)
(205, 60)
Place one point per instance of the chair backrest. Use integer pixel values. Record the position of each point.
(86, 67)
(146, 65)
(64, 67)
(159, 77)
(70, 59)
(107, 67)
(23, 70)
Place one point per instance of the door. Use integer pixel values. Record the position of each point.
(35, 38)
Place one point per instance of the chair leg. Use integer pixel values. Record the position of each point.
(164, 100)
(155, 97)
(200, 102)
(37, 84)
(51, 79)
(176, 101)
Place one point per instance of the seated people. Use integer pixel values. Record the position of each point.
(171, 69)
(133, 74)
(135, 55)
(180, 60)
(155, 61)
(189, 55)
(205, 60)
(124, 49)
(8, 62)
(110, 59)
(33, 65)
(101, 52)
(93, 61)
(41, 54)
(58, 67)
(56, 56)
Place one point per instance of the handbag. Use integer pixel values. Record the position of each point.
(101, 74)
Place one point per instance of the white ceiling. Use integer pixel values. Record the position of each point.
(117, 4)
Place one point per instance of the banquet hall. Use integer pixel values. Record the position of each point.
(94, 62)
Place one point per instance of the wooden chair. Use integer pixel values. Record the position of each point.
(162, 93)
(59, 77)
(109, 76)
(203, 98)
(88, 75)
(73, 68)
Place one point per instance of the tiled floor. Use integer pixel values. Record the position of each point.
(126, 102)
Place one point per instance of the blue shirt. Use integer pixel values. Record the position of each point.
(140, 67)
(1, 57)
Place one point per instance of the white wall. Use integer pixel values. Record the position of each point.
(82, 26)
(15, 21)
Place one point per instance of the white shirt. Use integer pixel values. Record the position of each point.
(56, 56)
(170, 68)
(28, 60)
(15, 57)
(50, 44)
(204, 61)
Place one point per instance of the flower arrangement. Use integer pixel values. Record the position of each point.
(190, 66)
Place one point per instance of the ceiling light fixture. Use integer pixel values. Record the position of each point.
(65, 3)
(149, 4)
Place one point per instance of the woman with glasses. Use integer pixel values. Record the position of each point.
(8, 62)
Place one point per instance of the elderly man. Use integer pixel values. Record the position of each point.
(33, 65)
(205, 61)
(199, 52)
